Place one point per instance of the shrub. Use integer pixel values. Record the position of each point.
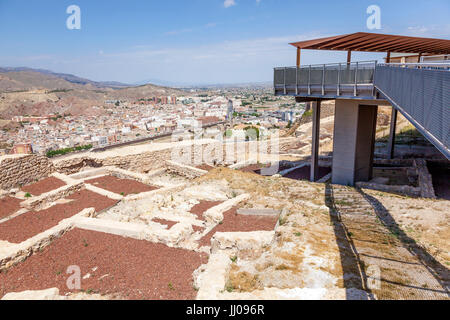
(59, 152)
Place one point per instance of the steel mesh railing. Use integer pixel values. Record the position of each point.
(422, 93)
(325, 75)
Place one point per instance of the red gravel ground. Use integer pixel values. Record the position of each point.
(305, 172)
(9, 205)
(32, 223)
(197, 228)
(251, 168)
(201, 207)
(257, 168)
(126, 268)
(119, 186)
(168, 223)
(233, 222)
(43, 186)
(205, 167)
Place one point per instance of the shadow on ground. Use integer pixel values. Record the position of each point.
(376, 255)
(434, 267)
(352, 267)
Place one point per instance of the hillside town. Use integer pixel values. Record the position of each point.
(127, 121)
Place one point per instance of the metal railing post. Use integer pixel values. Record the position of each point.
(284, 77)
(323, 80)
(355, 93)
(296, 81)
(373, 80)
(309, 80)
(339, 81)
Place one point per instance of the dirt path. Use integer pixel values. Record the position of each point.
(371, 240)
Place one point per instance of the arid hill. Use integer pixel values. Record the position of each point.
(40, 93)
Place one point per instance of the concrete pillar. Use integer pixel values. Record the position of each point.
(391, 141)
(354, 140)
(314, 176)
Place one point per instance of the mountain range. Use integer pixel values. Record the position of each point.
(68, 77)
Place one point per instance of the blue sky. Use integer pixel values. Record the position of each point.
(195, 41)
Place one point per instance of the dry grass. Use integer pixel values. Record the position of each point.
(242, 281)
(312, 241)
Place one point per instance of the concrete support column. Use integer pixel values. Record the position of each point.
(391, 142)
(314, 176)
(354, 140)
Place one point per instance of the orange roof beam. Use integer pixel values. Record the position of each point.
(409, 47)
(379, 45)
(340, 41)
(355, 44)
(423, 47)
(374, 42)
(368, 45)
(308, 43)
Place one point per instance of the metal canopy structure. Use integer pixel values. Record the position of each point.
(418, 90)
(375, 42)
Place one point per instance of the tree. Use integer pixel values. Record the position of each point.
(251, 133)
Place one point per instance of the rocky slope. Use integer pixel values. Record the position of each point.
(38, 93)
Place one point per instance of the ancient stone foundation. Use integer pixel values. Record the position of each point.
(17, 170)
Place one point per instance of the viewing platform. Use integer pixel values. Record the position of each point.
(419, 91)
(356, 80)
(327, 81)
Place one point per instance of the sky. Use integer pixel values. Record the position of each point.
(196, 41)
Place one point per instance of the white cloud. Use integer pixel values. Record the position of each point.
(231, 61)
(229, 3)
(434, 31)
(176, 32)
(418, 29)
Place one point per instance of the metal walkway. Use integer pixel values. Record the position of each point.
(422, 94)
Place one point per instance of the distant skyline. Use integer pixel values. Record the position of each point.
(195, 41)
